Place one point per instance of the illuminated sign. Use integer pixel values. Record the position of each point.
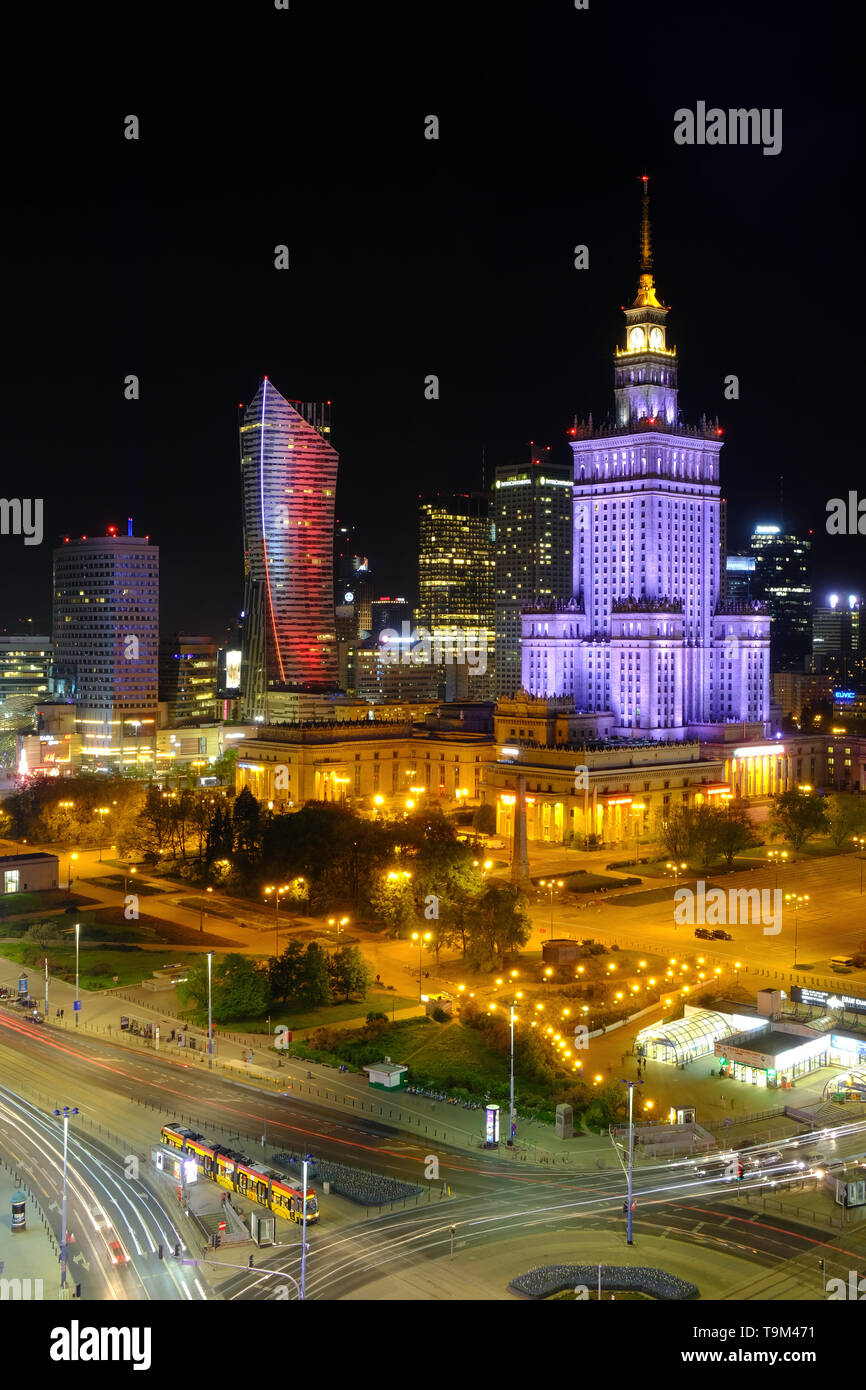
(844, 696)
(766, 751)
(766, 530)
(824, 998)
(233, 670)
(492, 1124)
(190, 1170)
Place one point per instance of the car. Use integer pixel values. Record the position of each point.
(719, 935)
(98, 1217)
(117, 1253)
(703, 933)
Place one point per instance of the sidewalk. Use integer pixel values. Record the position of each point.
(29, 1259)
(308, 1080)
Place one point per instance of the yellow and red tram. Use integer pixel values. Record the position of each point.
(239, 1174)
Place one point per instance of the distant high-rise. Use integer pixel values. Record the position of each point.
(289, 478)
(188, 677)
(532, 512)
(836, 640)
(739, 575)
(105, 634)
(783, 579)
(455, 587)
(25, 664)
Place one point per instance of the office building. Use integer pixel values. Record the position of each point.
(739, 576)
(645, 633)
(188, 678)
(289, 478)
(836, 644)
(105, 632)
(455, 589)
(25, 672)
(783, 580)
(532, 513)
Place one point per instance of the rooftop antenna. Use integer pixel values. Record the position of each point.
(782, 500)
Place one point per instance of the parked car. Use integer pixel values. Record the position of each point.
(719, 935)
(703, 933)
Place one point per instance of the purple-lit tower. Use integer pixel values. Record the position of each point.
(647, 635)
(289, 478)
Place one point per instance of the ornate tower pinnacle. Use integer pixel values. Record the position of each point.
(646, 294)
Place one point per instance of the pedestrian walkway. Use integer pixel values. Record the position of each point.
(29, 1259)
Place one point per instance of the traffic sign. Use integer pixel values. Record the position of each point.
(22, 985)
(76, 1004)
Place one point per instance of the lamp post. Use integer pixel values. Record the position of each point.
(77, 1008)
(637, 810)
(631, 1085)
(551, 885)
(777, 857)
(200, 909)
(209, 1013)
(860, 842)
(64, 1115)
(304, 1230)
(798, 901)
(421, 938)
(512, 1123)
(102, 812)
(277, 892)
(676, 869)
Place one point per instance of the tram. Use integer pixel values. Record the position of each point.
(239, 1174)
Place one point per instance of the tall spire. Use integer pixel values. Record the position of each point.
(646, 251)
(646, 293)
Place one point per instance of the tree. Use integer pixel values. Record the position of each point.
(41, 933)
(497, 923)
(484, 820)
(315, 977)
(285, 972)
(704, 834)
(734, 831)
(242, 989)
(797, 816)
(350, 973)
(675, 831)
(393, 900)
(247, 818)
(846, 814)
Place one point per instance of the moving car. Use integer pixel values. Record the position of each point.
(719, 935)
(98, 1217)
(703, 933)
(117, 1253)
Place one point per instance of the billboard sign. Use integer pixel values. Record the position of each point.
(827, 999)
(233, 670)
(491, 1131)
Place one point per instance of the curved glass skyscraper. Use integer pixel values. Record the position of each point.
(289, 479)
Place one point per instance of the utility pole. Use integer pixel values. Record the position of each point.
(631, 1085)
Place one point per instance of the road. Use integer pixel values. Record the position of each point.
(134, 1094)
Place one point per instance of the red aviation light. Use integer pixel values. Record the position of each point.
(719, 430)
(572, 430)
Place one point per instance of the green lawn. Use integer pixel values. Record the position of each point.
(322, 1018)
(97, 964)
(115, 882)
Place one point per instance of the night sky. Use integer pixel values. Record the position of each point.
(411, 257)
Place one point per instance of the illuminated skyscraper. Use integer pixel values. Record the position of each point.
(783, 579)
(532, 513)
(836, 641)
(646, 633)
(289, 478)
(455, 588)
(105, 635)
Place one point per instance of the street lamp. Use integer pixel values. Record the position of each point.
(69, 873)
(209, 1013)
(307, 1158)
(200, 909)
(798, 901)
(637, 810)
(777, 857)
(512, 1122)
(551, 885)
(277, 892)
(64, 1115)
(102, 811)
(860, 842)
(77, 1008)
(417, 936)
(631, 1085)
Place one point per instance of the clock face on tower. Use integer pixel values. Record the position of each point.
(655, 338)
(636, 339)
